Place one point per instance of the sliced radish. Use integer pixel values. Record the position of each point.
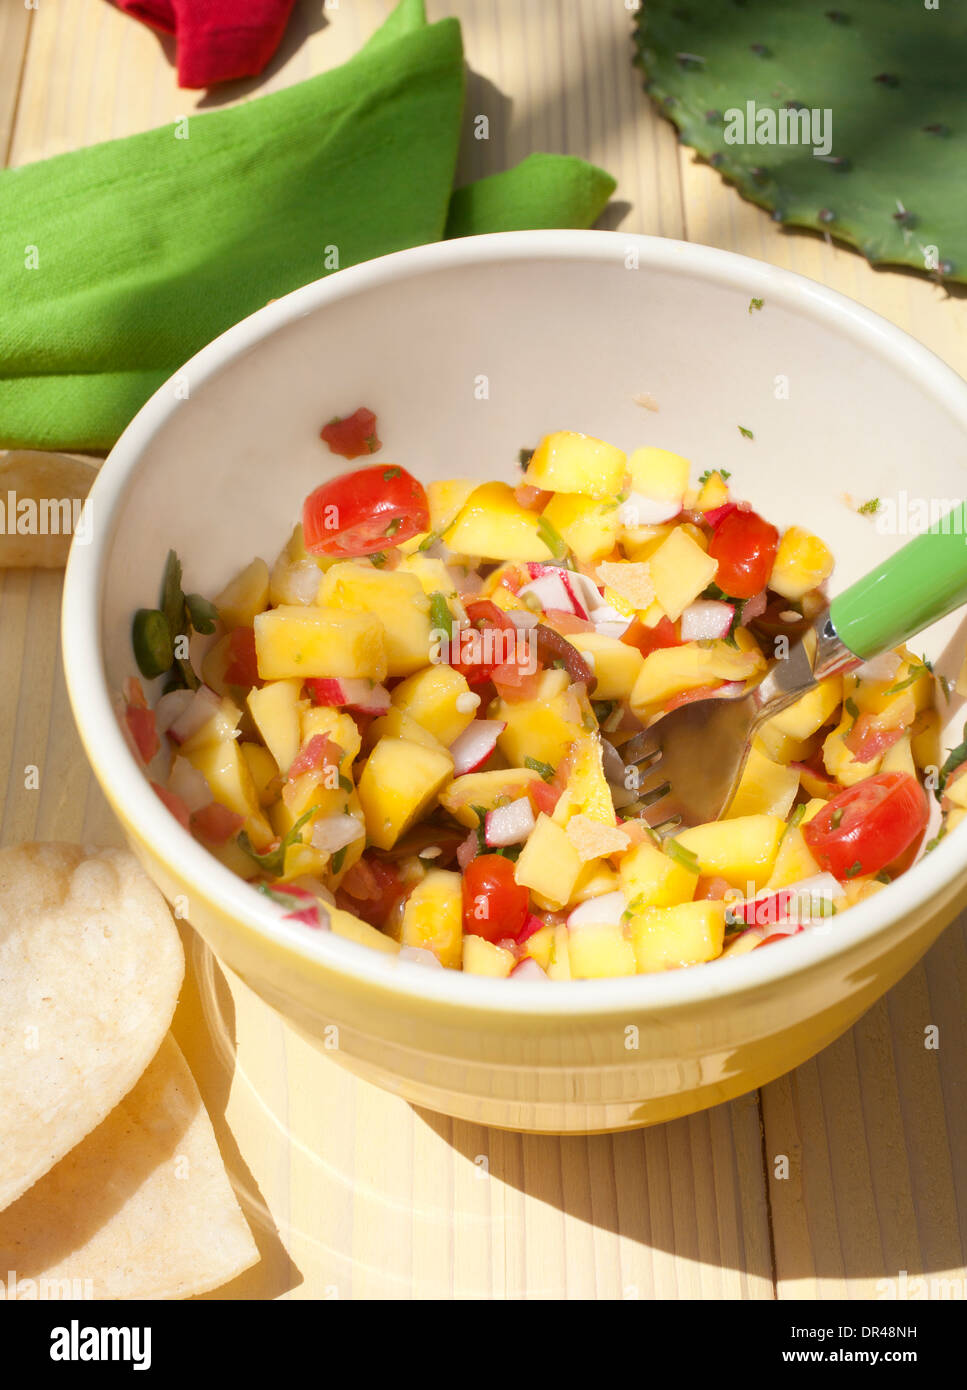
(706, 619)
(473, 747)
(527, 969)
(350, 692)
(532, 924)
(603, 910)
(790, 907)
(189, 784)
(573, 583)
(753, 607)
(419, 955)
(332, 833)
(171, 707)
(639, 510)
(880, 668)
(717, 514)
(551, 592)
(468, 849)
(510, 824)
(205, 705)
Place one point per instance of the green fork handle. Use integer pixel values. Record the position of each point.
(924, 581)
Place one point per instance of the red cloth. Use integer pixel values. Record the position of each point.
(217, 40)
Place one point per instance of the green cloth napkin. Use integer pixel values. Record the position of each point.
(118, 262)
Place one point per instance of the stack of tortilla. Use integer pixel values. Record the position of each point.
(111, 1183)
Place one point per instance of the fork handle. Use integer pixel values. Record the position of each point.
(922, 582)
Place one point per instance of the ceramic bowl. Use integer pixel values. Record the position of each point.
(468, 351)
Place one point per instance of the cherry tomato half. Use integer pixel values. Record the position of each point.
(364, 512)
(866, 826)
(745, 547)
(494, 903)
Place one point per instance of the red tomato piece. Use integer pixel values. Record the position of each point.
(745, 547)
(477, 652)
(353, 435)
(543, 795)
(868, 825)
(379, 888)
(143, 730)
(216, 823)
(494, 903)
(868, 739)
(318, 753)
(242, 667)
(174, 804)
(360, 513)
(649, 639)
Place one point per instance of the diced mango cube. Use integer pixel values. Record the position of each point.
(276, 708)
(599, 950)
(430, 697)
(650, 878)
(616, 664)
(665, 938)
(811, 711)
(399, 781)
(680, 571)
(742, 851)
(548, 863)
(486, 790)
(244, 596)
(482, 957)
(227, 773)
(395, 598)
(802, 562)
(433, 917)
(295, 641)
(492, 523)
(765, 788)
(588, 527)
(570, 462)
(659, 473)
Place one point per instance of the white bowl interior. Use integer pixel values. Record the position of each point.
(470, 351)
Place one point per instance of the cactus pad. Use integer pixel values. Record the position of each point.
(890, 73)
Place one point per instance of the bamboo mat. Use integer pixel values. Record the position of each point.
(353, 1194)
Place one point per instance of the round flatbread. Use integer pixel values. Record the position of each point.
(90, 969)
(142, 1208)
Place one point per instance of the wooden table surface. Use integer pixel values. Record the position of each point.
(352, 1193)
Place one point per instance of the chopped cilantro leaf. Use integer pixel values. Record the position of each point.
(441, 619)
(378, 558)
(755, 304)
(543, 769)
(274, 861)
(869, 508)
(686, 857)
(746, 434)
(551, 538)
(202, 612)
(954, 759)
(524, 457)
(854, 869)
(391, 473)
(338, 858)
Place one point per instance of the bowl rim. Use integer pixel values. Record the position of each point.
(130, 793)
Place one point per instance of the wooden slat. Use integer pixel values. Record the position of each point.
(15, 21)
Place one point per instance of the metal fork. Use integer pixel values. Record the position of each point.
(688, 764)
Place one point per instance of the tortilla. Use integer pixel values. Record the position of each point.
(90, 969)
(142, 1208)
(40, 505)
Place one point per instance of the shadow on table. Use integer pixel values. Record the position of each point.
(206, 1033)
(873, 1131)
